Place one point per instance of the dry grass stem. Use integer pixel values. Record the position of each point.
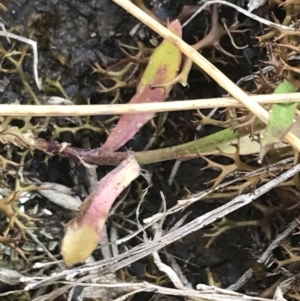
(132, 108)
(266, 254)
(240, 10)
(33, 44)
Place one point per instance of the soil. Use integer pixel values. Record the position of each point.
(74, 35)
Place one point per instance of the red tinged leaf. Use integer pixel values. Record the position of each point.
(84, 231)
(163, 67)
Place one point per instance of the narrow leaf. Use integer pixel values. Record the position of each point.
(162, 68)
(84, 232)
(280, 120)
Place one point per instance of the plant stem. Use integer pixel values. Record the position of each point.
(203, 146)
(207, 145)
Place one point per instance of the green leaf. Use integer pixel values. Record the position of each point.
(285, 87)
(84, 232)
(161, 70)
(280, 120)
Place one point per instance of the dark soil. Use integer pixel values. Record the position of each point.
(72, 36)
